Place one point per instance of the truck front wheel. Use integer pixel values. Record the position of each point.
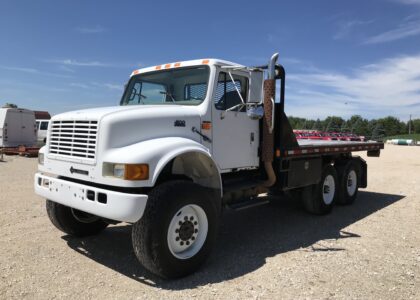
(319, 199)
(178, 229)
(73, 221)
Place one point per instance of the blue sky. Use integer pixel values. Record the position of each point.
(342, 57)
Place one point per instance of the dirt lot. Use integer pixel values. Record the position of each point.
(368, 250)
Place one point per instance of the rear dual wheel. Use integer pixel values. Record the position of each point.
(348, 176)
(339, 184)
(320, 198)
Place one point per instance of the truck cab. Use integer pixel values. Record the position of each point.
(187, 140)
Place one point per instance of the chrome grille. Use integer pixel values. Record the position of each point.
(75, 138)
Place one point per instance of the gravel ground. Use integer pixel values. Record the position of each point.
(368, 250)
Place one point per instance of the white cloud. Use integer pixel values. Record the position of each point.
(66, 69)
(292, 61)
(345, 28)
(32, 71)
(69, 63)
(93, 85)
(390, 87)
(79, 85)
(111, 86)
(19, 69)
(77, 63)
(408, 1)
(407, 28)
(91, 30)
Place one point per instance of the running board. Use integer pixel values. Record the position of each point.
(254, 202)
(240, 185)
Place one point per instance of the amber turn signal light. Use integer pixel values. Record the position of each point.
(206, 125)
(136, 172)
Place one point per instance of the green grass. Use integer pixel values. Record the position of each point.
(414, 136)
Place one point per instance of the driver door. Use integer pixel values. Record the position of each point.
(235, 135)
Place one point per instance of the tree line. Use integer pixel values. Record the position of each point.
(374, 128)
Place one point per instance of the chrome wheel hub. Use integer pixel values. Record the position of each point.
(187, 231)
(328, 189)
(351, 183)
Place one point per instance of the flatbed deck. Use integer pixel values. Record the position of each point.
(311, 147)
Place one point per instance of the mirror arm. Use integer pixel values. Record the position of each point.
(244, 104)
(236, 106)
(236, 88)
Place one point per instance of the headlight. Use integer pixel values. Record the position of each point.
(118, 171)
(41, 158)
(126, 171)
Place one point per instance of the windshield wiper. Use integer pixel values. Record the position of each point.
(168, 94)
(141, 97)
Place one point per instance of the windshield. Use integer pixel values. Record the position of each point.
(183, 86)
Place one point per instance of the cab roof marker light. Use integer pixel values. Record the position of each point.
(158, 67)
(205, 61)
(167, 66)
(178, 64)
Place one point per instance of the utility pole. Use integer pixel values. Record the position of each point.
(409, 126)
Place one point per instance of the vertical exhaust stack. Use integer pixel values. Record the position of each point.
(268, 122)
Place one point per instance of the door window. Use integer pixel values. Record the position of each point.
(226, 91)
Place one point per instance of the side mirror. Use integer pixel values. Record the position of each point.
(255, 112)
(256, 83)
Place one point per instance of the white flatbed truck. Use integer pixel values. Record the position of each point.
(188, 140)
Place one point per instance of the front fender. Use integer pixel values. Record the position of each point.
(157, 153)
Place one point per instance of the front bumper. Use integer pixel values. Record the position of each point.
(114, 205)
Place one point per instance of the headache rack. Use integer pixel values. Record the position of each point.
(74, 138)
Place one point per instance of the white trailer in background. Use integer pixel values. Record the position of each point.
(17, 127)
(42, 127)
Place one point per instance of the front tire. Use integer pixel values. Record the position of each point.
(178, 229)
(72, 221)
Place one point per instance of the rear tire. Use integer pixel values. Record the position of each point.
(348, 177)
(178, 229)
(72, 221)
(319, 199)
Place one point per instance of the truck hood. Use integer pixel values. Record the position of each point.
(121, 126)
(99, 113)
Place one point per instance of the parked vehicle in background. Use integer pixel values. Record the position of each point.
(42, 129)
(17, 127)
(42, 115)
